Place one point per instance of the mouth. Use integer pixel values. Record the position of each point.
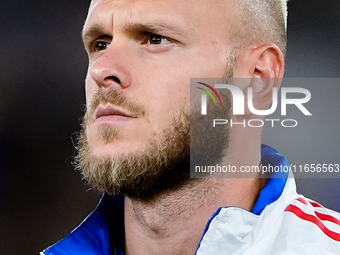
(110, 113)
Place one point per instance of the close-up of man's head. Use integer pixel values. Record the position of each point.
(170, 127)
(142, 54)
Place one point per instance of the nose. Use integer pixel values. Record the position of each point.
(111, 68)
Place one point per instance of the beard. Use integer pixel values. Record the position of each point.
(163, 166)
(209, 144)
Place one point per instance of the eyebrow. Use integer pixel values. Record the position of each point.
(156, 28)
(94, 30)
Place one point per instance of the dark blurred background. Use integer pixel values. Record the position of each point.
(43, 67)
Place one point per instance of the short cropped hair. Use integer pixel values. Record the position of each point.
(262, 20)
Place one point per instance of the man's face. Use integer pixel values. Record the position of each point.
(153, 47)
(144, 52)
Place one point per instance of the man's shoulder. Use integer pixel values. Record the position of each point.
(302, 207)
(324, 222)
(306, 227)
(291, 225)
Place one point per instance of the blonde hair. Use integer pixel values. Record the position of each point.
(262, 20)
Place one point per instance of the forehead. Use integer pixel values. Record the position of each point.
(191, 13)
(176, 4)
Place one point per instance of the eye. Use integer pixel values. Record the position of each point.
(100, 45)
(157, 39)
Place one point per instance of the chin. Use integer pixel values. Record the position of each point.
(114, 149)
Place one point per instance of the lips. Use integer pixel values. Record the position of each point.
(111, 111)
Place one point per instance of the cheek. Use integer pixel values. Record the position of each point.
(165, 105)
(90, 88)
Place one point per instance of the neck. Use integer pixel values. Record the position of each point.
(174, 223)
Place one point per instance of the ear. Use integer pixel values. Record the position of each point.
(266, 71)
(268, 60)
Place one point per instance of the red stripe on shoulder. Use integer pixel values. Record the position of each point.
(308, 217)
(321, 216)
(314, 204)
